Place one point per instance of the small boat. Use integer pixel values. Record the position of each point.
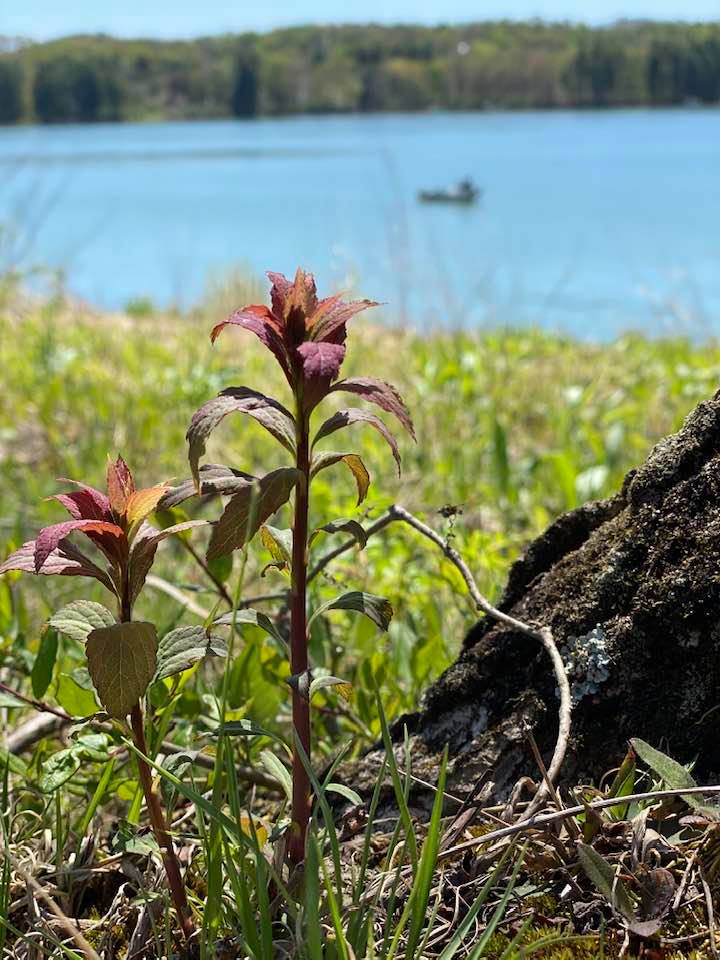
(464, 192)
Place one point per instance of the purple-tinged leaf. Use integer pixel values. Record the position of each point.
(332, 314)
(145, 547)
(380, 393)
(64, 561)
(215, 480)
(248, 510)
(279, 292)
(260, 321)
(85, 503)
(120, 485)
(321, 361)
(343, 418)
(269, 413)
(354, 464)
(48, 538)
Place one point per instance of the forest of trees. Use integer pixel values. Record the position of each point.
(361, 68)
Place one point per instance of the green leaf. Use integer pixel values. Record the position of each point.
(42, 669)
(354, 464)
(343, 525)
(322, 683)
(602, 875)
(221, 568)
(673, 774)
(178, 764)
(58, 769)
(74, 698)
(278, 770)
(122, 661)
(623, 785)
(346, 792)
(128, 838)
(181, 648)
(243, 728)
(79, 618)
(254, 618)
(248, 510)
(377, 609)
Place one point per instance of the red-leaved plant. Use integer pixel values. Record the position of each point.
(307, 338)
(123, 655)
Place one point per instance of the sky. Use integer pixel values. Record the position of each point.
(43, 19)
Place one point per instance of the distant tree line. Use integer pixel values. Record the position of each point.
(361, 68)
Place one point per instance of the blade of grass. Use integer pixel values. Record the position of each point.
(311, 898)
(96, 798)
(487, 934)
(400, 793)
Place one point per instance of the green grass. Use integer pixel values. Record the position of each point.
(513, 426)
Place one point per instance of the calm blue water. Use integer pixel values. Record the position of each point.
(593, 222)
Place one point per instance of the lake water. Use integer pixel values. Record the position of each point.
(593, 222)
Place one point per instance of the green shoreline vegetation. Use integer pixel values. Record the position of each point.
(326, 69)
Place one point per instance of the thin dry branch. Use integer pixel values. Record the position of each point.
(540, 633)
(543, 634)
(543, 819)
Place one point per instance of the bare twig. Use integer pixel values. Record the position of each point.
(541, 820)
(543, 634)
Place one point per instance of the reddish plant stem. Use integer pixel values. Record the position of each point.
(301, 803)
(152, 800)
(159, 827)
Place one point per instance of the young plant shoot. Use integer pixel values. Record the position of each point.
(123, 655)
(307, 337)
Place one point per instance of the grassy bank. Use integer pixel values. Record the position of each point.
(513, 428)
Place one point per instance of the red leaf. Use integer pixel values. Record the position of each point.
(272, 415)
(65, 561)
(120, 485)
(343, 418)
(321, 360)
(381, 393)
(279, 291)
(50, 537)
(329, 320)
(260, 321)
(85, 503)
